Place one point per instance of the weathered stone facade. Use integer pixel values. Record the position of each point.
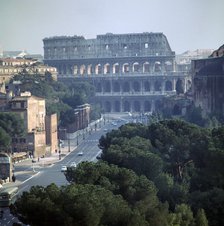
(51, 126)
(130, 72)
(32, 110)
(208, 83)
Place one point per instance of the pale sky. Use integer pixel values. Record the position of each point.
(187, 24)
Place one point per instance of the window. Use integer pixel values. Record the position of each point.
(22, 105)
(146, 45)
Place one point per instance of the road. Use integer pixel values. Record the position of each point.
(44, 175)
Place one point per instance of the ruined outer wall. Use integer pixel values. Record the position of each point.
(107, 46)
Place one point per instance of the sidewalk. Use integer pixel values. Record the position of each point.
(32, 168)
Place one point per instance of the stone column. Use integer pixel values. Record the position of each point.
(153, 105)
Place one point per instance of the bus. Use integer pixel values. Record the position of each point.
(8, 196)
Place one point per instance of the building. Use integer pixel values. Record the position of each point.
(32, 110)
(51, 127)
(130, 72)
(82, 118)
(10, 67)
(208, 83)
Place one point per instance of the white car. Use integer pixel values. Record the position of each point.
(73, 164)
(80, 153)
(63, 168)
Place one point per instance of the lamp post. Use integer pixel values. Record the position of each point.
(77, 136)
(83, 134)
(66, 136)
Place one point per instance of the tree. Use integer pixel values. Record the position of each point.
(201, 219)
(5, 140)
(87, 204)
(184, 215)
(12, 124)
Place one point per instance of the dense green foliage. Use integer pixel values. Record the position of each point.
(168, 173)
(102, 195)
(11, 125)
(192, 163)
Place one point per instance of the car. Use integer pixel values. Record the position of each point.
(80, 153)
(99, 156)
(63, 168)
(34, 160)
(73, 164)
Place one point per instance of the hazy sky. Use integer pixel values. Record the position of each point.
(187, 24)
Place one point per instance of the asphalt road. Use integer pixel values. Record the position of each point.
(44, 176)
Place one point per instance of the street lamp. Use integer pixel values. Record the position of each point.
(83, 134)
(77, 136)
(66, 136)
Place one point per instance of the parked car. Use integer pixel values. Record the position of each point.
(63, 168)
(80, 153)
(73, 164)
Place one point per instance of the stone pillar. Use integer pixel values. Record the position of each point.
(141, 87)
(163, 86)
(174, 85)
(121, 104)
(102, 86)
(153, 105)
(174, 65)
(152, 88)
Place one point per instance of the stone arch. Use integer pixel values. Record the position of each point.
(59, 69)
(136, 67)
(158, 105)
(157, 66)
(116, 87)
(158, 86)
(189, 84)
(176, 110)
(99, 87)
(82, 69)
(89, 69)
(107, 106)
(116, 68)
(125, 68)
(136, 106)
(64, 69)
(75, 69)
(168, 66)
(146, 67)
(107, 87)
(136, 86)
(126, 87)
(106, 68)
(98, 69)
(147, 86)
(127, 106)
(147, 106)
(117, 106)
(70, 69)
(168, 86)
(179, 86)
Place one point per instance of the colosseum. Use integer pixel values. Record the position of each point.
(130, 72)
